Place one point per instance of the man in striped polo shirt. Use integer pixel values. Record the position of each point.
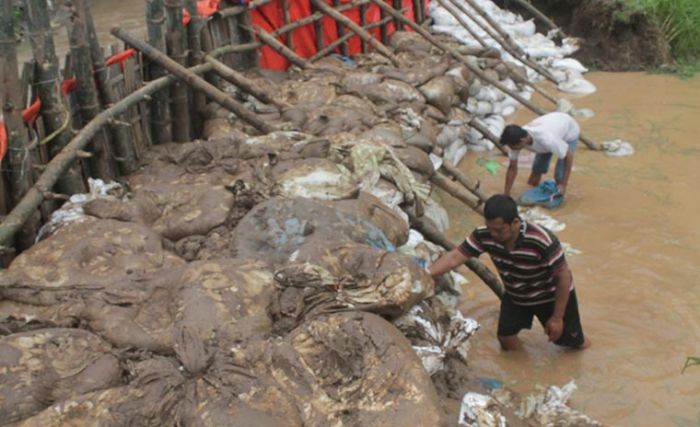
(531, 263)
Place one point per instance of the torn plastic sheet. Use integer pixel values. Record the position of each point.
(618, 148)
(480, 410)
(72, 210)
(550, 408)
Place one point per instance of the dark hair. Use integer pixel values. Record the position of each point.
(501, 206)
(512, 134)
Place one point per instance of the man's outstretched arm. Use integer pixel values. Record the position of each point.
(510, 176)
(447, 262)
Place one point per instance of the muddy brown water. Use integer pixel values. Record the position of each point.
(635, 220)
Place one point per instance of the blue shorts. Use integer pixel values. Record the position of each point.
(542, 160)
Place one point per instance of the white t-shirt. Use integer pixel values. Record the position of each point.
(550, 134)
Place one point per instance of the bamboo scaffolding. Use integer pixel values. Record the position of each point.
(431, 233)
(121, 140)
(457, 192)
(470, 184)
(101, 161)
(193, 80)
(19, 150)
(55, 112)
(28, 204)
(283, 50)
(176, 48)
(160, 108)
(194, 45)
(340, 31)
(330, 47)
(242, 82)
(473, 68)
(507, 44)
(364, 35)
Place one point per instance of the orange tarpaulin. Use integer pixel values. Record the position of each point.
(270, 17)
(205, 8)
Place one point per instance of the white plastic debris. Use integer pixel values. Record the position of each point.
(618, 148)
(72, 210)
(480, 410)
(539, 217)
(550, 408)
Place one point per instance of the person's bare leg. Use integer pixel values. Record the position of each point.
(511, 342)
(534, 179)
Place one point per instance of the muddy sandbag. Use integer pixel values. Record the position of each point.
(355, 81)
(275, 229)
(391, 91)
(415, 159)
(328, 277)
(440, 92)
(314, 179)
(84, 255)
(354, 369)
(332, 119)
(48, 365)
(409, 41)
(317, 91)
(222, 299)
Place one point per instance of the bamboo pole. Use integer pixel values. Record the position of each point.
(457, 192)
(431, 233)
(23, 210)
(125, 150)
(473, 68)
(340, 31)
(539, 15)
(194, 44)
(20, 174)
(500, 36)
(329, 48)
(379, 47)
(486, 132)
(470, 184)
(242, 82)
(193, 80)
(55, 112)
(285, 16)
(483, 43)
(160, 108)
(283, 50)
(101, 161)
(363, 24)
(176, 45)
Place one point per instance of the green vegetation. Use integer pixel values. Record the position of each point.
(680, 22)
(690, 361)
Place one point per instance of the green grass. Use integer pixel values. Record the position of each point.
(680, 22)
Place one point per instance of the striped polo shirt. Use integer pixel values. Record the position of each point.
(528, 270)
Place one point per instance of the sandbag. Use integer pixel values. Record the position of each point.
(440, 92)
(354, 369)
(313, 179)
(47, 365)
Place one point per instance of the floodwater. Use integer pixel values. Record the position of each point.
(636, 222)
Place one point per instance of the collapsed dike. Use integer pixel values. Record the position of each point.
(274, 279)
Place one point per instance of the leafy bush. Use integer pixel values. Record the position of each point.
(680, 23)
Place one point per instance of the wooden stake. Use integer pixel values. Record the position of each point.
(457, 192)
(19, 155)
(194, 45)
(193, 80)
(470, 184)
(431, 233)
(242, 82)
(55, 112)
(473, 68)
(101, 163)
(177, 44)
(121, 137)
(364, 35)
(283, 50)
(160, 104)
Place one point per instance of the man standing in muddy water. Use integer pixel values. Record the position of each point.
(532, 265)
(553, 133)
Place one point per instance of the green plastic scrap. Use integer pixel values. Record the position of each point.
(491, 166)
